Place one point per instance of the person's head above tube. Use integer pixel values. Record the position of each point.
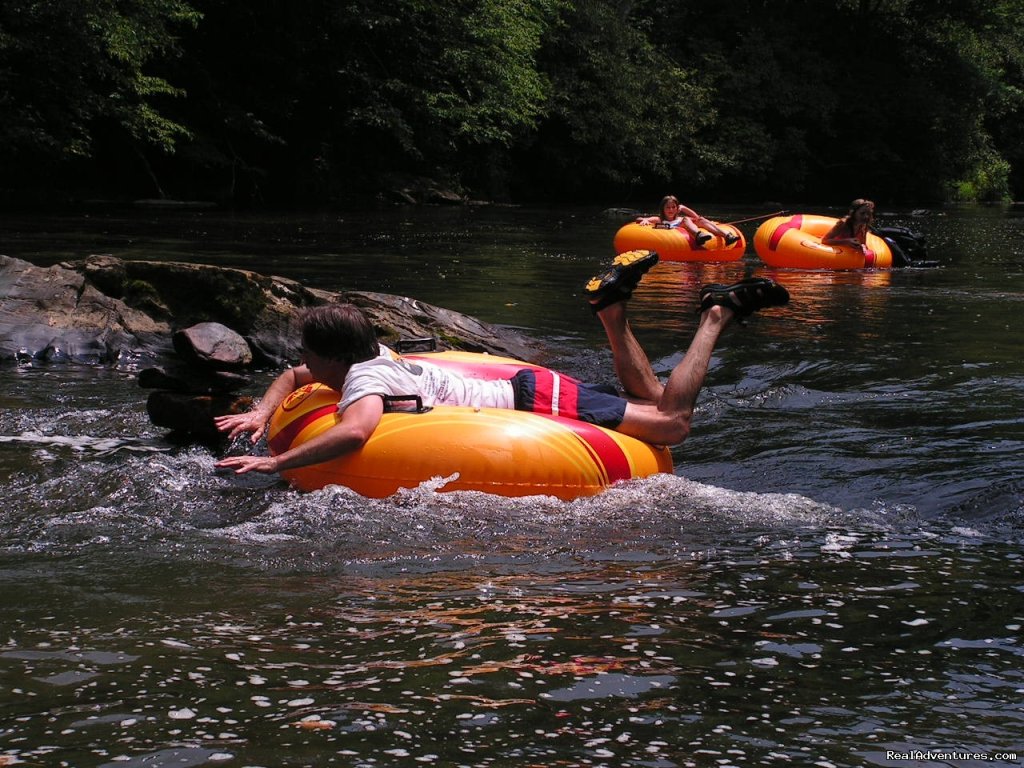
(669, 208)
(339, 332)
(862, 211)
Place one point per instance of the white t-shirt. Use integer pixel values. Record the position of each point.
(390, 375)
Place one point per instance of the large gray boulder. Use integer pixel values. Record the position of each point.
(212, 345)
(57, 313)
(103, 310)
(193, 329)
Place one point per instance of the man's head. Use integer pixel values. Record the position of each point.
(339, 332)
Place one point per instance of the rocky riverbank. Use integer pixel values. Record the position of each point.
(194, 330)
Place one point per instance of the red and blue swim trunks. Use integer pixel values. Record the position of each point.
(543, 391)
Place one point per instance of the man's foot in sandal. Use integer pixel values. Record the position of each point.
(745, 297)
(617, 282)
(710, 288)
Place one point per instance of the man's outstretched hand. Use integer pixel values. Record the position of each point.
(235, 424)
(242, 464)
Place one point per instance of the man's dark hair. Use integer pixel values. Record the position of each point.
(339, 332)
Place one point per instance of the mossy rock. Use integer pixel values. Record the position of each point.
(195, 293)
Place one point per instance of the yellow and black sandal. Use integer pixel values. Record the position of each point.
(617, 282)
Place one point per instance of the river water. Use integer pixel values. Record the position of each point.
(833, 575)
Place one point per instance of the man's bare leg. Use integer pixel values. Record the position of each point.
(667, 420)
(608, 294)
(720, 305)
(666, 411)
(632, 365)
(687, 378)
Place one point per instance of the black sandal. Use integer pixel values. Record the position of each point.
(618, 281)
(745, 297)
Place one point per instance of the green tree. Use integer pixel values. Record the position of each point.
(305, 102)
(449, 85)
(889, 98)
(324, 97)
(72, 69)
(622, 114)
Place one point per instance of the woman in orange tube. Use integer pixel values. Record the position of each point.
(853, 228)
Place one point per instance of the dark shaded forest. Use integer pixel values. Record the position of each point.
(317, 102)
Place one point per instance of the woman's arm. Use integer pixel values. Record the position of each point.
(839, 235)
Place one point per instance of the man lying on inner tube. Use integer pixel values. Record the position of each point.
(341, 350)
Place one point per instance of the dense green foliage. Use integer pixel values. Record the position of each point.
(303, 103)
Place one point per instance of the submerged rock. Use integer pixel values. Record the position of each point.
(189, 417)
(183, 378)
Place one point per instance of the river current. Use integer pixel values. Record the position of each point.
(833, 576)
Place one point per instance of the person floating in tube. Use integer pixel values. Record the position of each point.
(673, 215)
(341, 350)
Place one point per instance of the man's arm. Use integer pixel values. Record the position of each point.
(350, 434)
(255, 421)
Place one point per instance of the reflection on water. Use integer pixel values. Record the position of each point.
(832, 573)
(823, 648)
(670, 292)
